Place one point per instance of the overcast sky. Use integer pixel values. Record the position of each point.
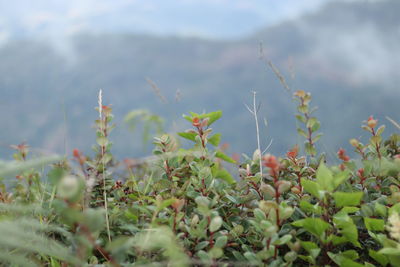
(204, 18)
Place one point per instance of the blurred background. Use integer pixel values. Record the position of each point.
(169, 57)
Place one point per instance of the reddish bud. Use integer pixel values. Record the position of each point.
(196, 122)
(342, 167)
(78, 156)
(76, 153)
(292, 154)
(342, 155)
(371, 122)
(178, 204)
(272, 163)
(360, 173)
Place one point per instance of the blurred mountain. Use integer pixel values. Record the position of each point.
(346, 54)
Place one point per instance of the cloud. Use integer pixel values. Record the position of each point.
(57, 18)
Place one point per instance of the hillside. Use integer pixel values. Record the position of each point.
(346, 54)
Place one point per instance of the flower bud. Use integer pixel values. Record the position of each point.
(354, 142)
(300, 93)
(292, 154)
(372, 122)
(178, 204)
(196, 122)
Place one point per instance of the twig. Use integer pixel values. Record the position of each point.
(100, 100)
(279, 75)
(157, 90)
(254, 112)
(393, 122)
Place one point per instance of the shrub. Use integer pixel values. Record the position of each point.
(183, 207)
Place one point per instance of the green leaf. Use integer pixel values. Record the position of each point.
(283, 240)
(203, 256)
(390, 251)
(238, 256)
(310, 149)
(165, 204)
(347, 228)
(345, 258)
(225, 175)
(316, 126)
(302, 132)
(380, 209)
(201, 245)
(316, 138)
(221, 241)
(213, 116)
(302, 109)
(343, 199)
(380, 130)
(259, 214)
(102, 140)
(224, 157)
(325, 178)
(215, 139)
(215, 224)
(308, 245)
(188, 118)
(301, 118)
(188, 135)
(340, 178)
(350, 254)
(378, 257)
(311, 248)
(348, 210)
(251, 257)
(394, 208)
(373, 224)
(308, 207)
(315, 226)
(313, 188)
(311, 122)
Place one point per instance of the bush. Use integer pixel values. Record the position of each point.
(183, 207)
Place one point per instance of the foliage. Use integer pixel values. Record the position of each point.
(183, 207)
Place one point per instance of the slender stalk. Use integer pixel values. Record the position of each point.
(254, 112)
(103, 163)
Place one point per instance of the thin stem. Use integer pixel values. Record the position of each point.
(104, 120)
(254, 112)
